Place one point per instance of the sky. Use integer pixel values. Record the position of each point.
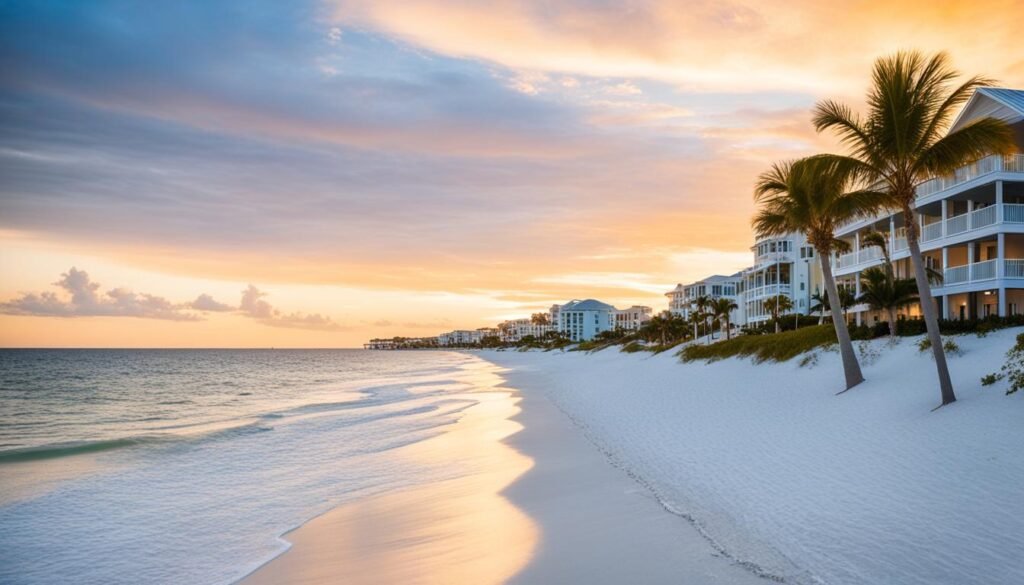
(315, 174)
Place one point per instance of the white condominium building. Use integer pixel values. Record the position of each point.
(783, 267)
(682, 300)
(632, 318)
(516, 329)
(971, 228)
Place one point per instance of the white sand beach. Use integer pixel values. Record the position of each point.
(542, 505)
(633, 468)
(778, 471)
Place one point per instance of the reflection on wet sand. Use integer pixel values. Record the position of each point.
(459, 531)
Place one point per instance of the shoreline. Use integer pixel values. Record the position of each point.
(545, 505)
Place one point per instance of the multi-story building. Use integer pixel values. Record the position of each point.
(514, 330)
(683, 298)
(582, 320)
(632, 318)
(971, 228)
(783, 267)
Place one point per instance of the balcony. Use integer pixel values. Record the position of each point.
(975, 220)
(982, 271)
(1013, 163)
(771, 290)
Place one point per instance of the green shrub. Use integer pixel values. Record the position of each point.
(633, 347)
(1012, 370)
(989, 379)
(778, 347)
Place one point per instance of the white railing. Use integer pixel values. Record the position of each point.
(932, 231)
(1013, 213)
(1014, 163)
(1013, 268)
(869, 253)
(956, 274)
(770, 290)
(958, 224)
(983, 217)
(970, 272)
(983, 270)
(984, 166)
(848, 259)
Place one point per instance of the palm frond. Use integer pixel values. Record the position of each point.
(976, 140)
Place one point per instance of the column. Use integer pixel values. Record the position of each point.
(945, 214)
(999, 202)
(892, 234)
(856, 294)
(945, 307)
(1000, 255)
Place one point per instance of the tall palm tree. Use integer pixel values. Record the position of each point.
(899, 143)
(884, 292)
(723, 308)
(702, 303)
(813, 196)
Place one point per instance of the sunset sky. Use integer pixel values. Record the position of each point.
(314, 174)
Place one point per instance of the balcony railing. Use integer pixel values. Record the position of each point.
(1013, 268)
(1013, 163)
(770, 290)
(969, 272)
(932, 231)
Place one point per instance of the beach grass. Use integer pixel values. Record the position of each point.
(777, 347)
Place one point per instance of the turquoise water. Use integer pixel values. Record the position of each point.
(186, 466)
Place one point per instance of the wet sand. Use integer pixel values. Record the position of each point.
(539, 504)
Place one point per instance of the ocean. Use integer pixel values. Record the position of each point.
(187, 466)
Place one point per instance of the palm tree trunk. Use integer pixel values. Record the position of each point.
(728, 329)
(892, 323)
(850, 365)
(931, 318)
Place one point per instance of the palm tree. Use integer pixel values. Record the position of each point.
(812, 196)
(722, 308)
(777, 306)
(900, 143)
(702, 303)
(819, 303)
(884, 292)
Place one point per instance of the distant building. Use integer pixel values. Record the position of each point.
(515, 330)
(582, 320)
(683, 298)
(632, 318)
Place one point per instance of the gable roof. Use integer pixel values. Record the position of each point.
(996, 102)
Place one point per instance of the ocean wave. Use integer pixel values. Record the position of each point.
(67, 449)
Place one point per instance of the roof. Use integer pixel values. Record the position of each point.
(587, 305)
(997, 102)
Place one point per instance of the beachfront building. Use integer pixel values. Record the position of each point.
(582, 320)
(633, 318)
(682, 300)
(783, 267)
(971, 228)
(464, 337)
(515, 330)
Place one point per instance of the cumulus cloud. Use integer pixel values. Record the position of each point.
(205, 302)
(254, 306)
(82, 298)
